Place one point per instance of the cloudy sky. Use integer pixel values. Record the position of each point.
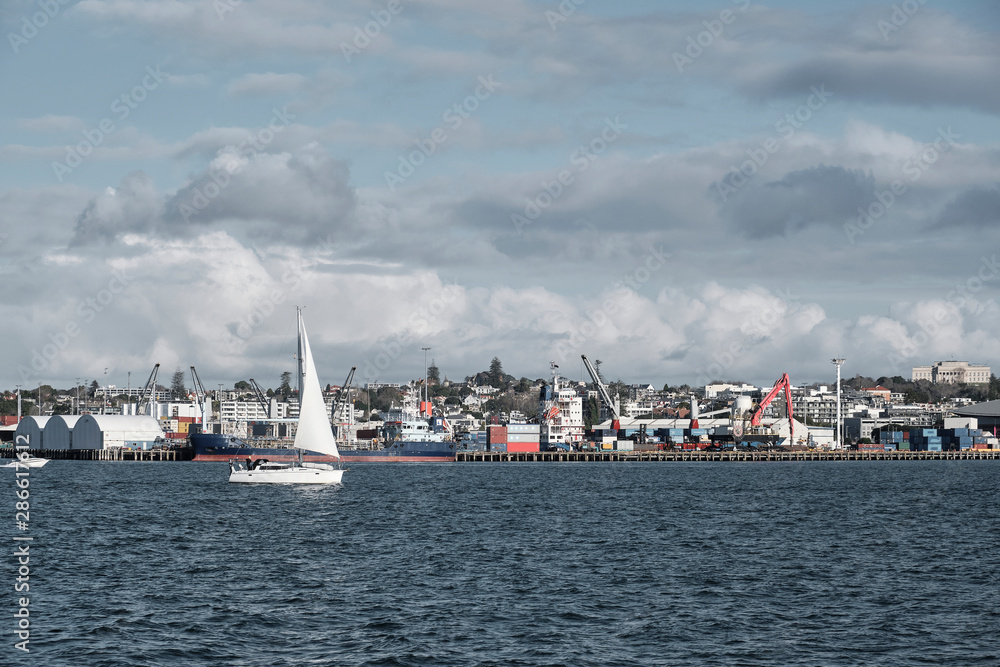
(685, 190)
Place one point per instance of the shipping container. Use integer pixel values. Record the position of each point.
(624, 446)
(522, 447)
(607, 445)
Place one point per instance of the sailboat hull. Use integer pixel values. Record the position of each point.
(291, 475)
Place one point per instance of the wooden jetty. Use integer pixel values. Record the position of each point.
(701, 456)
(116, 454)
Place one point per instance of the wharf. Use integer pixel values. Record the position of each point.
(173, 454)
(811, 455)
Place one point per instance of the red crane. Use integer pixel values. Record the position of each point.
(782, 383)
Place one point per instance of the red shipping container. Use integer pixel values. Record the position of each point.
(522, 447)
(496, 435)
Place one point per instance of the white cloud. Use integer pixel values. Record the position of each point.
(51, 123)
(267, 83)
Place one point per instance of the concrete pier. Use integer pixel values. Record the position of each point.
(813, 455)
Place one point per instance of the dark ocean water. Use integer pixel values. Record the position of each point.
(892, 563)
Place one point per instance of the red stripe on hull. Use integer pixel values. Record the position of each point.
(329, 459)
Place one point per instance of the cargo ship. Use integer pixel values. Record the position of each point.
(408, 440)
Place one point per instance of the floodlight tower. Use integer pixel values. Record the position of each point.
(838, 363)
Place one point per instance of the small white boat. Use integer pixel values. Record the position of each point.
(30, 462)
(314, 434)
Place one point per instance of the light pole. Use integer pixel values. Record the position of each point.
(39, 399)
(78, 396)
(838, 363)
(426, 392)
(18, 403)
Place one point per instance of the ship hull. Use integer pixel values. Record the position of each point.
(213, 447)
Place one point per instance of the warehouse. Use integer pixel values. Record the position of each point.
(58, 433)
(115, 432)
(987, 414)
(32, 429)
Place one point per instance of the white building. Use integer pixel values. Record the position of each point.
(953, 372)
(230, 411)
(116, 432)
(725, 390)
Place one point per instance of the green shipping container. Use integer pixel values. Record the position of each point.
(905, 446)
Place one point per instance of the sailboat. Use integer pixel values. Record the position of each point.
(314, 434)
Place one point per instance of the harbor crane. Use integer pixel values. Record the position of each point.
(696, 412)
(782, 383)
(610, 405)
(200, 394)
(343, 397)
(148, 392)
(258, 393)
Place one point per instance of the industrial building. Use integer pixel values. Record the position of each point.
(59, 431)
(31, 428)
(116, 431)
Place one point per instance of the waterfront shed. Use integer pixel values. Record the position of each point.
(32, 428)
(116, 431)
(58, 433)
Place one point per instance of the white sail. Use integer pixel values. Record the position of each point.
(314, 432)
